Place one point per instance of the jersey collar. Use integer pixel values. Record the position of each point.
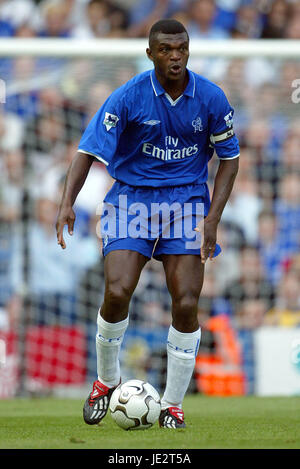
(159, 90)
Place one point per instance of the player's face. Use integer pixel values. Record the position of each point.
(170, 53)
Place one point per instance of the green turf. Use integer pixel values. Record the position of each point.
(247, 422)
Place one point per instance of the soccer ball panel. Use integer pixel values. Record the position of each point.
(152, 391)
(120, 417)
(135, 405)
(154, 411)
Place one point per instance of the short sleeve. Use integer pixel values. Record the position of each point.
(222, 135)
(101, 137)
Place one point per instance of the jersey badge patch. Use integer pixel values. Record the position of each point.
(110, 120)
(229, 119)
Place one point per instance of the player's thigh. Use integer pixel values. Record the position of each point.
(184, 275)
(122, 269)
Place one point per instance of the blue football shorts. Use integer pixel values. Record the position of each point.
(154, 221)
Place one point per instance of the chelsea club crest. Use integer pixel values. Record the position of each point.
(197, 124)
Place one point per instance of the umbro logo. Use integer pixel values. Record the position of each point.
(152, 122)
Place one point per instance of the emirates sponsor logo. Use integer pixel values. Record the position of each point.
(171, 150)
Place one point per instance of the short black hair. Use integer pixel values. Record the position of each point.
(166, 26)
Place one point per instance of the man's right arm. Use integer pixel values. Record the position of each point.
(76, 176)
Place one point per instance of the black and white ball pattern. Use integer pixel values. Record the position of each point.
(135, 405)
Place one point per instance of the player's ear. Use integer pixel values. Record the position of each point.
(149, 54)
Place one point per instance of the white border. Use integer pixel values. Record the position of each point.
(230, 158)
(14, 47)
(93, 154)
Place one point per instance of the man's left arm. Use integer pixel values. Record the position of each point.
(223, 185)
(226, 146)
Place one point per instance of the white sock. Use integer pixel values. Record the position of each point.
(108, 343)
(182, 348)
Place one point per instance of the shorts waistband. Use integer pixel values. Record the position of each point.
(189, 184)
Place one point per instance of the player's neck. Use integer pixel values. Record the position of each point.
(174, 88)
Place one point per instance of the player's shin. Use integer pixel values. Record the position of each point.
(182, 349)
(108, 343)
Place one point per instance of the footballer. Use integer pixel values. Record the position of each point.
(156, 135)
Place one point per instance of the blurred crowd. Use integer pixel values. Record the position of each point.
(255, 281)
(208, 19)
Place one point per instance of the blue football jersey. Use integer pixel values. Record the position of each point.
(145, 138)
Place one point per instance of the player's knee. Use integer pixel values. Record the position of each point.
(117, 296)
(186, 302)
(185, 309)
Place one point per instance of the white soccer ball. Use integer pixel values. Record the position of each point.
(135, 405)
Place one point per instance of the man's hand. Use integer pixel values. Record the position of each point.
(209, 238)
(66, 216)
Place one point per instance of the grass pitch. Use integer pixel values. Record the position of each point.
(212, 423)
